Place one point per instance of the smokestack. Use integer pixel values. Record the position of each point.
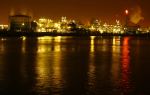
(127, 17)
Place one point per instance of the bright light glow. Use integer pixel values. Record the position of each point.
(42, 19)
(92, 44)
(125, 66)
(64, 19)
(57, 25)
(63, 26)
(57, 39)
(22, 24)
(42, 47)
(126, 12)
(3, 26)
(23, 38)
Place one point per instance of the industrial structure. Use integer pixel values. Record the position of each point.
(25, 23)
(20, 23)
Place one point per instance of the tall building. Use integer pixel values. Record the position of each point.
(20, 23)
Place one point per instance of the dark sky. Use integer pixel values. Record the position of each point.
(106, 10)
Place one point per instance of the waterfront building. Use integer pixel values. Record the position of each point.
(45, 25)
(48, 25)
(20, 23)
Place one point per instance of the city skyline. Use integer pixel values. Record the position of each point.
(105, 10)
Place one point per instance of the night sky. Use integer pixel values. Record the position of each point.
(84, 10)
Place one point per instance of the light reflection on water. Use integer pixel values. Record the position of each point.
(116, 51)
(125, 66)
(73, 65)
(91, 66)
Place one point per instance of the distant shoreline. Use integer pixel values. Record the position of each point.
(38, 34)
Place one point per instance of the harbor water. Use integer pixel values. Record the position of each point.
(66, 65)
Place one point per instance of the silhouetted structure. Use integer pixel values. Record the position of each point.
(33, 26)
(20, 23)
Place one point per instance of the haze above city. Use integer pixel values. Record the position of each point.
(83, 10)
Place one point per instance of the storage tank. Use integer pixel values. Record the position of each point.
(20, 23)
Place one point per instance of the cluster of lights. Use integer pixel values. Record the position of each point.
(66, 26)
(105, 28)
(48, 25)
(2, 27)
(62, 26)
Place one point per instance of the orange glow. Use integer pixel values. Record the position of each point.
(125, 66)
(126, 12)
(125, 55)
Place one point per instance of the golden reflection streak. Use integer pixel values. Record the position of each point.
(115, 58)
(125, 65)
(48, 68)
(91, 73)
(57, 47)
(43, 81)
(48, 40)
(58, 39)
(45, 38)
(57, 74)
(57, 77)
(42, 66)
(23, 44)
(42, 42)
(92, 43)
(91, 66)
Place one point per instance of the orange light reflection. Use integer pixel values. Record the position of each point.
(125, 81)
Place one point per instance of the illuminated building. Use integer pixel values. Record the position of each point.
(24, 23)
(95, 26)
(143, 29)
(20, 23)
(48, 25)
(106, 28)
(45, 25)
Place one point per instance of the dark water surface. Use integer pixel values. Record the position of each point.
(75, 66)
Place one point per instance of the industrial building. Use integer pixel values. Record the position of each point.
(20, 23)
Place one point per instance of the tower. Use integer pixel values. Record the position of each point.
(126, 18)
(20, 23)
